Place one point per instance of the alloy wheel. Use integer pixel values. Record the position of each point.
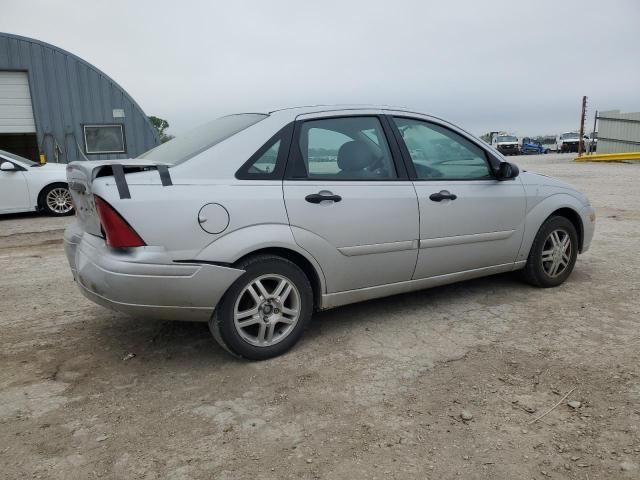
(267, 310)
(59, 200)
(556, 253)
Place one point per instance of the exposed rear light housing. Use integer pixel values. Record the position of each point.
(118, 233)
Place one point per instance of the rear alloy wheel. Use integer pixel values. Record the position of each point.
(56, 200)
(265, 311)
(553, 253)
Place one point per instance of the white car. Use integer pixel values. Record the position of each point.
(27, 186)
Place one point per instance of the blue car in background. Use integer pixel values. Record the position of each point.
(532, 147)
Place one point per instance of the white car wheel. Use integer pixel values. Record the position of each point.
(56, 200)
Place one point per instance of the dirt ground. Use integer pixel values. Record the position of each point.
(374, 390)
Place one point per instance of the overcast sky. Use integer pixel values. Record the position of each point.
(521, 66)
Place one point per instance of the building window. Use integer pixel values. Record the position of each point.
(104, 139)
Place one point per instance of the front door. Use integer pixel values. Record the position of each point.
(347, 204)
(14, 194)
(468, 219)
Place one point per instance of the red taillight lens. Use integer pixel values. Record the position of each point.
(118, 232)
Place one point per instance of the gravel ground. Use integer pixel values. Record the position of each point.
(374, 390)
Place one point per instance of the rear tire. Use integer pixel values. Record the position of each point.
(553, 253)
(265, 311)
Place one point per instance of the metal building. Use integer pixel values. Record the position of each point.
(55, 104)
(618, 132)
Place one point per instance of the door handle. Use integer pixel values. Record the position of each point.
(320, 197)
(442, 195)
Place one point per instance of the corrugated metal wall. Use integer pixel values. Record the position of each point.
(618, 132)
(68, 92)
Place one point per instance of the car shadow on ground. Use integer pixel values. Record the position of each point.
(191, 343)
(477, 289)
(20, 216)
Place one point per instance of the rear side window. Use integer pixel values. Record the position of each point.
(269, 161)
(266, 163)
(184, 147)
(347, 148)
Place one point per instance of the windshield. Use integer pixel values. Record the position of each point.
(507, 138)
(568, 136)
(182, 148)
(17, 158)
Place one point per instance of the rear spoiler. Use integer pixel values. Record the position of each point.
(121, 180)
(92, 169)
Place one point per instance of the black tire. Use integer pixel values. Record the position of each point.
(535, 272)
(44, 206)
(222, 324)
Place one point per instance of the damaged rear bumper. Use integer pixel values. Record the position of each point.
(144, 281)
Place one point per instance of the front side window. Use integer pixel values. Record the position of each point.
(439, 153)
(104, 139)
(23, 162)
(347, 148)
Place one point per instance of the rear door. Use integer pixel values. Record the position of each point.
(350, 203)
(468, 219)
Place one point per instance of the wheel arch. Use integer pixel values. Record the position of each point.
(274, 239)
(574, 217)
(40, 197)
(298, 259)
(560, 204)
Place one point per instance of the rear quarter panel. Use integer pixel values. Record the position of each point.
(168, 216)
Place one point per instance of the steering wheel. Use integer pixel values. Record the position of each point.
(427, 172)
(377, 167)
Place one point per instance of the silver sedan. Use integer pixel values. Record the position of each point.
(253, 221)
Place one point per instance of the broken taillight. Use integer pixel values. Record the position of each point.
(118, 233)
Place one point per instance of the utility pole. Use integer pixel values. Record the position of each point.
(582, 117)
(593, 133)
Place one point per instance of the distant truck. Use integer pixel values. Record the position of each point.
(532, 147)
(506, 144)
(568, 142)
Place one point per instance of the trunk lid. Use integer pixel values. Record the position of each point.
(82, 174)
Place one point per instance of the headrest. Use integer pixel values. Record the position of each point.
(354, 156)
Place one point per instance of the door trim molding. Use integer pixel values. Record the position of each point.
(463, 239)
(333, 300)
(379, 248)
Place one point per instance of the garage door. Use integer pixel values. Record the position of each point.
(16, 113)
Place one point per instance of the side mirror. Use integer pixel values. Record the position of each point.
(507, 171)
(8, 167)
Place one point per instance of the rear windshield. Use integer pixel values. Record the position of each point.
(183, 147)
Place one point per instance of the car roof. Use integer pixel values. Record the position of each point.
(306, 109)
